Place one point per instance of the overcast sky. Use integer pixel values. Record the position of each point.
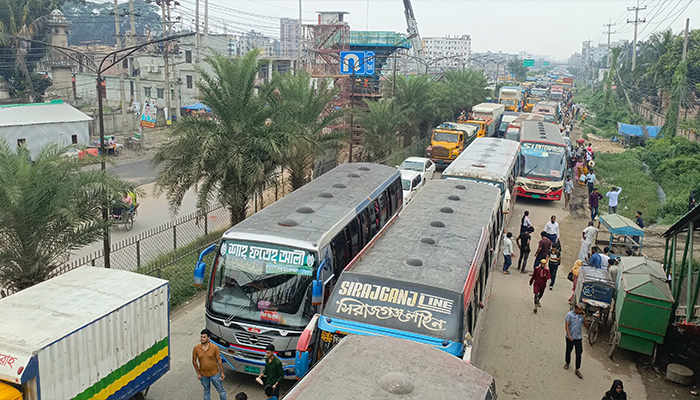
(555, 27)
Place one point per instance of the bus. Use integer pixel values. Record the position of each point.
(426, 278)
(543, 161)
(491, 161)
(260, 284)
(550, 110)
(347, 373)
(513, 131)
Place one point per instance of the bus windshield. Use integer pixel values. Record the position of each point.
(543, 161)
(445, 137)
(263, 283)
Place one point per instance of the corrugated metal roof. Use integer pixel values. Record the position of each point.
(40, 113)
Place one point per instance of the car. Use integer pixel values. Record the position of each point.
(411, 181)
(419, 164)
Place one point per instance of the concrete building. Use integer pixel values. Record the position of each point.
(290, 36)
(35, 125)
(449, 52)
(57, 63)
(241, 44)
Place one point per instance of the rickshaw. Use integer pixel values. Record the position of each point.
(595, 291)
(642, 308)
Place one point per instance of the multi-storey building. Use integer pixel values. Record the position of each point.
(290, 35)
(449, 52)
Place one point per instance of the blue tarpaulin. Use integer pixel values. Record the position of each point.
(644, 132)
(197, 106)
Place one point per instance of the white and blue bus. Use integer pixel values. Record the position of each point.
(259, 289)
(424, 279)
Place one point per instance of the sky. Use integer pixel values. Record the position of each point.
(555, 27)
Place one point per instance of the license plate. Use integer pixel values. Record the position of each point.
(535, 196)
(251, 370)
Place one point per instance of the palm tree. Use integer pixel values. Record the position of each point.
(304, 112)
(230, 156)
(48, 207)
(380, 125)
(414, 99)
(467, 88)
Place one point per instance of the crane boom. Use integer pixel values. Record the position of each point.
(413, 34)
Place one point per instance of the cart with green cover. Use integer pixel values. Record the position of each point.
(595, 291)
(642, 308)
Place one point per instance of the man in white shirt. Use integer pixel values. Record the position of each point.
(590, 181)
(605, 258)
(568, 189)
(587, 238)
(507, 252)
(552, 230)
(612, 199)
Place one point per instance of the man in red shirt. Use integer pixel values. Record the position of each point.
(543, 249)
(539, 277)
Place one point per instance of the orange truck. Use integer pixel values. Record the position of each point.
(448, 141)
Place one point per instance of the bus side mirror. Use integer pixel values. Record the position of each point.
(201, 266)
(317, 286)
(506, 203)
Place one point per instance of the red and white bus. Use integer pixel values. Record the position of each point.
(543, 156)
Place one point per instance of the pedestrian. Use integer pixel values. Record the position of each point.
(273, 370)
(616, 392)
(583, 119)
(525, 222)
(612, 196)
(640, 223)
(595, 260)
(590, 180)
(574, 275)
(542, 249)
(554, 262)
(270, 393)
(552, 229)
(241, 396)
(574, 339)
(206, 360)
(605, 258)
(568, 189)
(691, 199)
(538, 281)
(507, 252)
(587, 237)
(523, 242)
(593, 199)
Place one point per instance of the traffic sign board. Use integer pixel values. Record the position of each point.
(546, 63)
(362, 62)
(528, 63)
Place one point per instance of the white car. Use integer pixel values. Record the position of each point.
(424, 166)
(411, 181)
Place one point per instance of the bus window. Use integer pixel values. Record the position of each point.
(364, 228)
(374, 216)
(340, 256)
(354, 238)
(399, 193)
(392, 199)
(382, 209)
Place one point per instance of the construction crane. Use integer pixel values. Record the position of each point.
(413, 35)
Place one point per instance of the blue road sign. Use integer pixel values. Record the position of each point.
(360, 61)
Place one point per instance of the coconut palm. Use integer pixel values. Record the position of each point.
(413, 98)
(229, 157)
(379, 126)
(303, 112)
(49, 206)
(467, 88)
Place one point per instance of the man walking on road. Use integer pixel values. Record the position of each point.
(273, 370)
(523, 242)
(542, 249)
(590, 180)
(538, 281)
(587, 237)
(612, 199)
(568, 189)
(554, 262)
(507, 252)
(593, 199)
(206, 360)
(552, 229)
(574, 339)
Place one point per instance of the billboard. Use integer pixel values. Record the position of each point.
(148, 116)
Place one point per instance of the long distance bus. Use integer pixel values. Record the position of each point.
(491, 161)
(359, 368)
(550, 110)
(260, 284)
(424, 279)
(543, 154)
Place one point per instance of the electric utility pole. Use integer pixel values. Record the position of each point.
(609, 25)
(685, 50)
(120, 72)
(135, 60)
(166, 67)
(197, 43)
(636, 22)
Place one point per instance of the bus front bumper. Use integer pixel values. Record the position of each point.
(554, 195)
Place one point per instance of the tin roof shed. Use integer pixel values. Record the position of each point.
(40, 113)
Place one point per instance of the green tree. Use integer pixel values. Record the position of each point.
(464, 89)
(414, 99)
(228, 157)
(303, 112)
(380, 125)
(48, 207)
(515, 67)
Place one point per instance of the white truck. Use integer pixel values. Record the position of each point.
(91, 333)
(489, 110)
(510, 97)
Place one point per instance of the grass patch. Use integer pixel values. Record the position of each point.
(585, 135)
(177, 267)
(638, 190)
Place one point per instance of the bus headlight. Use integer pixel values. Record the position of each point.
(453, 156)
